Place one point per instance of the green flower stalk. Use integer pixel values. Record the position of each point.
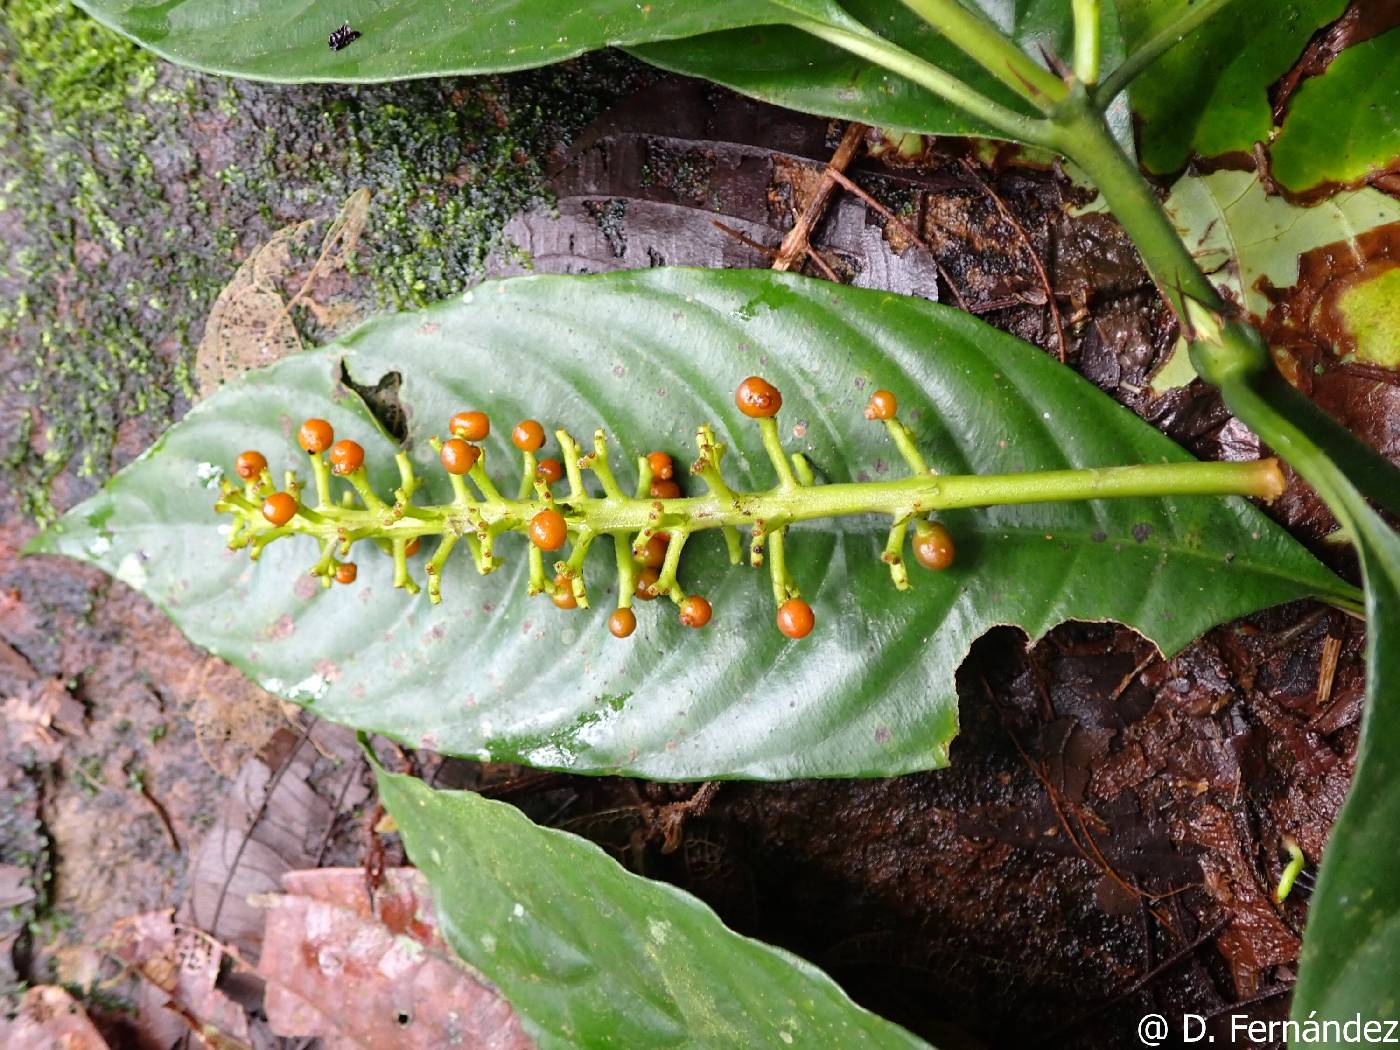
(649, 529)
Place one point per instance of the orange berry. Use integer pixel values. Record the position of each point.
(550, 470)
(250, 464)
(795, 618)
(622, 623)
(563, 595)
(757, 398)
(528, 436)
(661, 465)
(695, 611)
(645, 579)
(346, 457)
(882, 405)
(548, 530)
(665, 490)
(411, 547)
(933, 546)
(279, 508)
(471, 426)
(346, 572)
(654, 555)
(315, 435)
(457, 456)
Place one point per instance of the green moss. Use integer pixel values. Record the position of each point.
(130, 190)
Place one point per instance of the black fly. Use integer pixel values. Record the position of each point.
(343, 37)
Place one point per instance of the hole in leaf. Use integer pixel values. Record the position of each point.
(382, 400)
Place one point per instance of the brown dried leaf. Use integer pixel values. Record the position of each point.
(338, 247)
(361, 974)
(181, 968)
(38, 714)
(268, 824)
(249, 326)
(251, 323)
(50, 1019)
(233, 717)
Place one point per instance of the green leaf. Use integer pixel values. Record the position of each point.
(1344, 126)
(747, 44)
(789, 68)
(400, 39)
(1209, 95)
(648, 356)
(589, 954)
(1350, 962)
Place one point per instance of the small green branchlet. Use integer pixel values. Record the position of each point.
(650, 529)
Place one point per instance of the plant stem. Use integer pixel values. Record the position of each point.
(1154, 48)
(898, 498)
(943, 84)
(1233, 357)
(1086, 41)
(1081, 135)
(989, 47)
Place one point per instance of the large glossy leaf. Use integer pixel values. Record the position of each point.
(1210, 94)
(648, 355)
(1344, 126)
(790, 68)
(589, 954)
(746, 44)
(399, 39)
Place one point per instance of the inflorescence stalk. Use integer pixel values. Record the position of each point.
(649, 530)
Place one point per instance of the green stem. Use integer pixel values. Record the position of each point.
(1234, 358)
(322, 474)
(988, 47)
(777, 455)
(904, 442)
(626, 572)
(1154, 48)
(783, 588)
(600, 466)
(1082, 135)
(766, 512)
(946, 86)
(893, 555)
(896, 498)
(568, 448)
(1086, 41)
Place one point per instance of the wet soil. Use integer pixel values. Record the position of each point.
(1107, 839)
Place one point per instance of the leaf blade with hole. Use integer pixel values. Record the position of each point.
(589, 954)
(648, 355)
